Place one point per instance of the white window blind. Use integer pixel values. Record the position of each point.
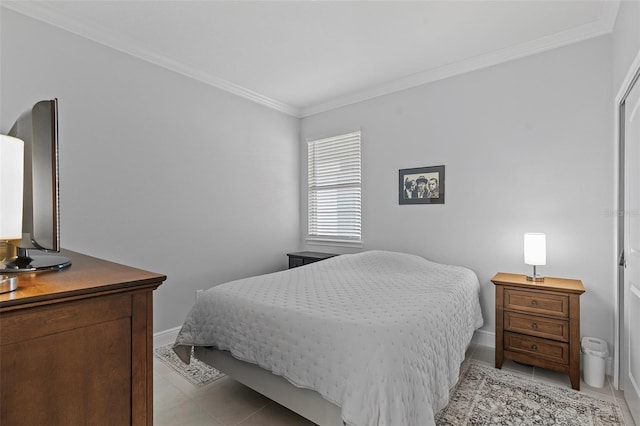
(334, 188)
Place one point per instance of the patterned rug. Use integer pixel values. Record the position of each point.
(197, 373)
(488, 396)
(483, 396)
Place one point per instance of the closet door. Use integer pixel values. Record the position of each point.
(631, 263)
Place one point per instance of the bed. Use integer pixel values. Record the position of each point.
(374, 338)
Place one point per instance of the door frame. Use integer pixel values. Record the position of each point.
(633, 74)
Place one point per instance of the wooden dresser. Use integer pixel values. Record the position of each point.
(76, 346)
(538, 323)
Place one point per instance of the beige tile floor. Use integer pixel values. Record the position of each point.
(226, 402)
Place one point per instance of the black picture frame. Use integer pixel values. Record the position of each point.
(433, 179)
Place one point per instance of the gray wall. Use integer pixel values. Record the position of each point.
(527, 148)
(626, 40)
(157, 170)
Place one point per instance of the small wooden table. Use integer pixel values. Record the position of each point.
(538, 323)
(305, 257)
(76, 346)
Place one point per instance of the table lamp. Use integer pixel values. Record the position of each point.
(535, 253)
(11, 181)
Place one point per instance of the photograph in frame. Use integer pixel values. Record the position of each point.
(422, 185)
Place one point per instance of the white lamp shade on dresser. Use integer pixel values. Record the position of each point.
(11, 187)
(535, 249)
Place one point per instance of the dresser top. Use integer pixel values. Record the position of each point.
(549, 283)
(86, 276)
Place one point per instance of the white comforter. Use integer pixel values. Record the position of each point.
(380, 334)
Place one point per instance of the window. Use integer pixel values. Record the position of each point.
(334, 190)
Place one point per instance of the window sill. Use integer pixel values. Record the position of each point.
(335, 243)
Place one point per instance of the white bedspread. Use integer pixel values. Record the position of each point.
(380, 334)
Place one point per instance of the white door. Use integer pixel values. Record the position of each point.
(631, 329)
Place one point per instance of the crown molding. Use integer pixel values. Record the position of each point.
(610, 13)
(41, 12)
(602, 26)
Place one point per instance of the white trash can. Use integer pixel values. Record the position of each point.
(594, 357)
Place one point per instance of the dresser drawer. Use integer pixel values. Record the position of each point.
(540, 348)
(537, 302)
(548, 328)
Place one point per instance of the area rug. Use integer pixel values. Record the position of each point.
(488, 396)
(483, 396)
(196, 372)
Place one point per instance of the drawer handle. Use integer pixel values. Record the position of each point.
(534, 348)
(534, 326)
(534, 303)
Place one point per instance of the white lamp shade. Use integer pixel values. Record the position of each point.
(11, 181)
(535, 249)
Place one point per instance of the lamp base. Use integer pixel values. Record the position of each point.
(535, 278)
(8, 284)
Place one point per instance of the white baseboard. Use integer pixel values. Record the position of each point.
(484, 338)
(609, 366)
(166, 337)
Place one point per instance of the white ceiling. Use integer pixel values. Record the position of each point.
(303, 57)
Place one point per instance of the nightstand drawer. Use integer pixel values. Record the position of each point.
(306, 257)
(537, 302)
(541, 348)
(294, 262)
(548, 328)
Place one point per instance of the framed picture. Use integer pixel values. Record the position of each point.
(422, 185)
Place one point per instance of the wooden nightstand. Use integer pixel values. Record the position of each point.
(305, 257)
(538, 323)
